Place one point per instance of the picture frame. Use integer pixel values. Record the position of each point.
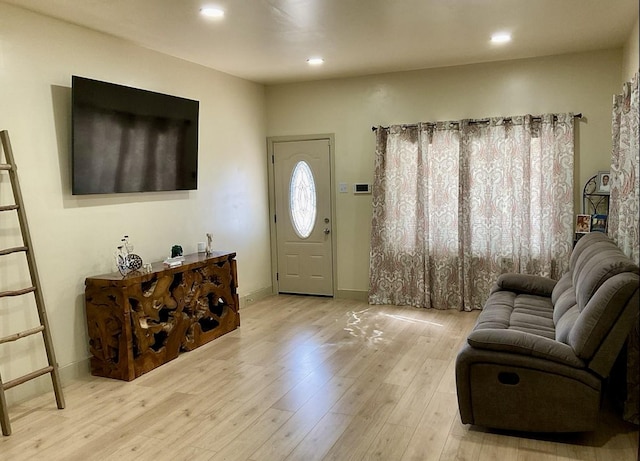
(599, 223)
(603, 182)
(583, 224)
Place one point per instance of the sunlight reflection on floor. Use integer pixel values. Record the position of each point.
(365, 324)
(410, 320)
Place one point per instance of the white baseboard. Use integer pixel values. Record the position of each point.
(357, 295)
(43, 384)
(255, 296)
(73, 371)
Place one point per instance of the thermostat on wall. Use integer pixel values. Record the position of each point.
(361, 188)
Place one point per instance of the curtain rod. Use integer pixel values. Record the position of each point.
(482, 120)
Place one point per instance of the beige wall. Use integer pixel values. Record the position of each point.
(349, 107)
(630, 54)
(75, 236)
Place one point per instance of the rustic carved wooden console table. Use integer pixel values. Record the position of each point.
(140, 321)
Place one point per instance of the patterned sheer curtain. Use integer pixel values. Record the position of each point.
(457, 203)
(415, 247)
(625, 183)
(624, 214)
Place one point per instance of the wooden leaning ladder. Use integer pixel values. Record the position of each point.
(18, 206)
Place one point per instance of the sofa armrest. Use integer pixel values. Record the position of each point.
(523, 343)
(525, 283)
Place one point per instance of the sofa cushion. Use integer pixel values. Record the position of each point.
(597, 263)
(563, 298)
(583, 244)
(600, 313)
(563, 285)
(519, 312)
(566, 322)
(565, 302)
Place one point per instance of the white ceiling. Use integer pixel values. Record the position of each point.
(268, 41)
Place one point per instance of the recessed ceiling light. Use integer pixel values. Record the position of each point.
(501, 37)
(315, 61)
(212, 12)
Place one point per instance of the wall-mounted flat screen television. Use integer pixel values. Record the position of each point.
(131, 140)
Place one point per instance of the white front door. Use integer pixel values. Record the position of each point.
(302, 188)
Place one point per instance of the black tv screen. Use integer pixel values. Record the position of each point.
(131, 140)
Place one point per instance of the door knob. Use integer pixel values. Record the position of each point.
(326, 230)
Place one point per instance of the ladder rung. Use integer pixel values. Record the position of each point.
(5, 166)
(23, 379)
(22, 334)
(24, 291)
(8, 251)
(9, 207)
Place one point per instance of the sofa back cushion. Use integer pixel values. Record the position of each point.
(596, 262)
(563, 297)
(594, 322)
(590, 298)
(582, 244)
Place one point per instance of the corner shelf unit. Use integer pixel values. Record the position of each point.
(594, 202)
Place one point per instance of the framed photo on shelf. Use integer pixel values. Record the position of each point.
(583, 224)
(603, 182)
(599, 223)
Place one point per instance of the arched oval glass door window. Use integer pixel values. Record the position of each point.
(302, 199)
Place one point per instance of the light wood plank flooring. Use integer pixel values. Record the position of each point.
(302, 379)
